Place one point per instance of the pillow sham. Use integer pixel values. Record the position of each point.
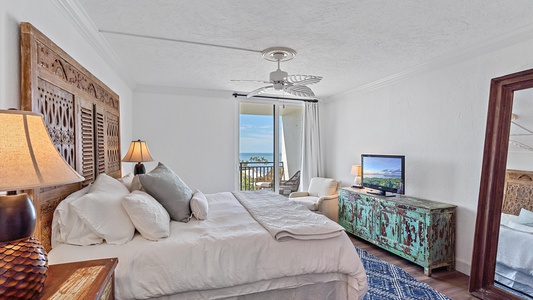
(147, 215)
(127, 181)
(199, 205)
(168, 188)
(136, 184)
(101, 209)
(525, 217)
(68, 227)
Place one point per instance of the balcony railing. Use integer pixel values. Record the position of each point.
(253, 172)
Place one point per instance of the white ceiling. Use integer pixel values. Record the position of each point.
(521, 136)
(350, 43)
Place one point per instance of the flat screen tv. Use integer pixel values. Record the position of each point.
(383, 173)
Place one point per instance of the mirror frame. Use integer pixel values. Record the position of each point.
(492, 183)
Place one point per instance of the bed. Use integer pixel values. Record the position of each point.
(514, 261)
(229, 255)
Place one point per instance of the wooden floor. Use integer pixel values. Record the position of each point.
(453, 284)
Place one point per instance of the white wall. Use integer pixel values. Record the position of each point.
(193, 132)
(437, 120)
(48, 18)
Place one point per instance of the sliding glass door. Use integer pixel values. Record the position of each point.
(269, 145)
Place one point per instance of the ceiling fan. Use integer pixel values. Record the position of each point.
(280, 80)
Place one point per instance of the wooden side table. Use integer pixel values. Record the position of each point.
(92, 279)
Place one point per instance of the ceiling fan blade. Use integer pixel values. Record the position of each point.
(258, 91)
(250, 80)
(299, 90)
(303, 79)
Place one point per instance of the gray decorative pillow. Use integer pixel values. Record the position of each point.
(169, 190)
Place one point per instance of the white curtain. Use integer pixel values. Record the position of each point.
(311, 154)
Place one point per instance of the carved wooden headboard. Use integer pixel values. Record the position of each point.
(518, 192)
(80, 112)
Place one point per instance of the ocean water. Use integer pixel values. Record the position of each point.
(245, 156)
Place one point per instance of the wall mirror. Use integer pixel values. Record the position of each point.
(510, 99)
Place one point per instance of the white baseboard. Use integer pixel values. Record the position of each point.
(462, 266)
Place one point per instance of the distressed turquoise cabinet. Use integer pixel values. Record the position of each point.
(418, 230)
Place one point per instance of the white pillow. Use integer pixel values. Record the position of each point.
(127, 181)
(136, 184)
(199, 206)
(520, 227)
(149, 216)
(68, 227)
(101, 209)
(525, 217)
(320, 187)
(506, 218)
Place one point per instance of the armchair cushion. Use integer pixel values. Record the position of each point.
(320, 187)
(298, 194)
(311, 202)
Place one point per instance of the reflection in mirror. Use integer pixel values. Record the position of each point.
(506, 187)
(514, 260)
(520, 155)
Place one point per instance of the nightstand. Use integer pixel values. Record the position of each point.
(91, 279)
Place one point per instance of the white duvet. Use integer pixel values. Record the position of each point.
(514, 247)
(229, 249)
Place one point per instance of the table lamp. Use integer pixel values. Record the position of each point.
(138, 152)
(356, 170)
(28, 159)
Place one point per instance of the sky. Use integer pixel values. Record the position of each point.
(256, 134)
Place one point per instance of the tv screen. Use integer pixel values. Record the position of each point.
(384, 173)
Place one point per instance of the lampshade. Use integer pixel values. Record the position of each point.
(28, 159)
(138, 152)
(356, 170)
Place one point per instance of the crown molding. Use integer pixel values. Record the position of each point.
(77, 16)
(521, 34)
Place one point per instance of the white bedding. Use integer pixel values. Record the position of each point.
(228, 254)
(514, 247)
(514, 260)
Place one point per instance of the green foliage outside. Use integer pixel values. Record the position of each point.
(247, 183)
(394, 183)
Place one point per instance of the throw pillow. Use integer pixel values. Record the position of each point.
(167, 188)
(147, 215)
(127, 181)
(199, 205)
(525, 217)
(101, 209)
(136, 184)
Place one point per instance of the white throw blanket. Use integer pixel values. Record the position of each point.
(285, 219)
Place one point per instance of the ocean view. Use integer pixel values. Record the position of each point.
(245, 156)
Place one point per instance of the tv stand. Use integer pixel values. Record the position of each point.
(418, 230)
(381, 193)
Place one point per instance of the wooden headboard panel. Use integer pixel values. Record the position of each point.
(81, 113)
(518, 192)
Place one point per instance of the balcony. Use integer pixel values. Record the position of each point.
(253, 172)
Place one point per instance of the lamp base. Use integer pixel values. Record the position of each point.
(23, 266)
(139, 169)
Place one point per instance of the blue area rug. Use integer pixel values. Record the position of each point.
(389, 282)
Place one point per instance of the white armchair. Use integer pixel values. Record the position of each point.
(321, 197)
